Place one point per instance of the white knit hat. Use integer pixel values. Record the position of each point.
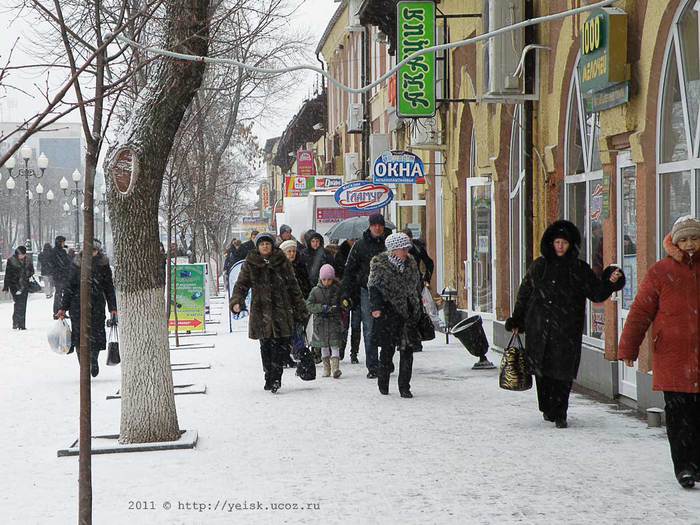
(685, 226)
(286, 245)
(396, 241)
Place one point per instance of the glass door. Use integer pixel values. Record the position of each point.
(627, 257)
(480, 264)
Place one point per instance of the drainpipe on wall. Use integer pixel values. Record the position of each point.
(528, 126)
(366, 69)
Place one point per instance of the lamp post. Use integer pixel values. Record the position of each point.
(103, 202)
(40, 203)
(63, 184)
(42, 163)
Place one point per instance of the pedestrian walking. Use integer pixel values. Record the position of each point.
(246, 247)
(277, 306)
(395, 286)
(46, 270)
(419, 251)
(18, 273)
(102, 295)
(286, 235)
(316, 255)
(669, 299)
(551, 309)
(289, 248)
(60, 268)
(355, 283)
(353, 314)
(324, 303)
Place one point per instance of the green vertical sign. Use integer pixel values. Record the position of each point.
(188, 295)
(415, 84)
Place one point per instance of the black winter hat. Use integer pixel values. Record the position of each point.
(264, 237)
(377, 218)
(562, 229)
(60, 238)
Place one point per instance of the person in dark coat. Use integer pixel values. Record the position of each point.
(286, 235)
(395, 300)
(353, 323)
(277, 307)
(102, 294)
(355, 282)
(46, 270)
(17, 275)
(419, 251)
(551, 310)
(316, 255)
(289, 248)
(669, 297)
(60, 267)
(246, 247)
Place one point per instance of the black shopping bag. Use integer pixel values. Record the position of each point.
(113, 357)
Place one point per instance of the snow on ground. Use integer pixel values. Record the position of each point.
(462, 451)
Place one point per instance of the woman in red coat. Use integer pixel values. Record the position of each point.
(669, 297)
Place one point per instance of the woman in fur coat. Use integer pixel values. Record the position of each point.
(669, 299)
(395, 302)
(551, 309)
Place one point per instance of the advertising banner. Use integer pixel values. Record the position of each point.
(305, 163)
(416, 80)
(298, 186)
(364, 196)
(328, 183)
(398, 167)
(188, 294)
(335, 215)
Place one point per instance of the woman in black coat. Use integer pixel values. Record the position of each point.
(102, 295)
(18, 273)
(551, 309)
(395, 302)
(315, 256)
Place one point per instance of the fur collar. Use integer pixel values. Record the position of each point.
(674, 251)
(399, 289)
(277, 258)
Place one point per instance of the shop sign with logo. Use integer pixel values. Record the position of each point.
(398, 167)
(603, 69)
(298, 186)
(305, 163)
(336, 215)
(416, 80)
(328, 183)
(265, 203)
(362, 195)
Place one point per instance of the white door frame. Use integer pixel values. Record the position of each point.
(627, 376)
(473, 182)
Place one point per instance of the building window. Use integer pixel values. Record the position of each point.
(516, 178)
(678, 141)
(583, 195)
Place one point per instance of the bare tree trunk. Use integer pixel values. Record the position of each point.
(148, 402)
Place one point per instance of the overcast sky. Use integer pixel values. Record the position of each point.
(312, 15)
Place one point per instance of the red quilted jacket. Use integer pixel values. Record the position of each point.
(669, 297)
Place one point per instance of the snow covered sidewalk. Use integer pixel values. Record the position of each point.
(330, 451)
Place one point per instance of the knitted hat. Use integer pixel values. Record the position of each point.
(286, 245)
(376, 218)
(396, 241)
(264, 237)
(326, 272)
(285, 228)
(685, 226)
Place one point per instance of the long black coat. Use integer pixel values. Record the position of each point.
(357, 265)
(314, 259)
(60, 265)
(277, 303)
(551, 305)
(102, 295)
(17, 274)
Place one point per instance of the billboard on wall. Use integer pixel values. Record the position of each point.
(398, 167)
(298, 186)
(363, 196)
(305, 163)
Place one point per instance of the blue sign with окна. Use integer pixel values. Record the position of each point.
(398, 167)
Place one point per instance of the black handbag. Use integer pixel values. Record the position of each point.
(306, 367)
(426, 329)
(34, 286)
(515, 372)
(113, 357)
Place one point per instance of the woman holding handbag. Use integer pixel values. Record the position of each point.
(395, 287)
(551, 309)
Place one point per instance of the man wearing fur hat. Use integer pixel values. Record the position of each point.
(669, 300)
(395, 287)
(355, 283)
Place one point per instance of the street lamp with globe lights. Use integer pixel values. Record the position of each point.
(103, 202)
(40, 203)
(63, 184)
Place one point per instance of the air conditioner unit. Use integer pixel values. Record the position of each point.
(425, 132)
(355, 118)
(351, 166)
(503, 52)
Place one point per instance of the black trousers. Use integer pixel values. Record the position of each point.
(19, 314)
(386, 359)
(274, 353)
(553, 396)
(683, 429)
(58, 296)
(355, 329)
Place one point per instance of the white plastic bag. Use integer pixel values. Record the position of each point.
(59, 337)
(431, 308)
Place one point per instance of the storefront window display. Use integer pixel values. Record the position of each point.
(678, 136)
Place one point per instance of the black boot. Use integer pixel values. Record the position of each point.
(406, 393)
(94, 365)
(353, 358)
(275, 386)
(686, 479)
(561, 422)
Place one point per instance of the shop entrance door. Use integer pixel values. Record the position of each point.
(480, 264)
(627, 257)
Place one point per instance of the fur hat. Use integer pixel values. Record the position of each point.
(326, 272)
(377, 218)
(396, 241)
(285, 228)
(286, 245)
(264, 237)
(685, 226)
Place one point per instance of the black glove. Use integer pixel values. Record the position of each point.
(346, 303)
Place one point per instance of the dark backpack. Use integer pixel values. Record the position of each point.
(306, 367)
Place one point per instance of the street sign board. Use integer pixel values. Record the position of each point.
(189, 297)
(363, 195)
(398, 167)
(416, 80)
